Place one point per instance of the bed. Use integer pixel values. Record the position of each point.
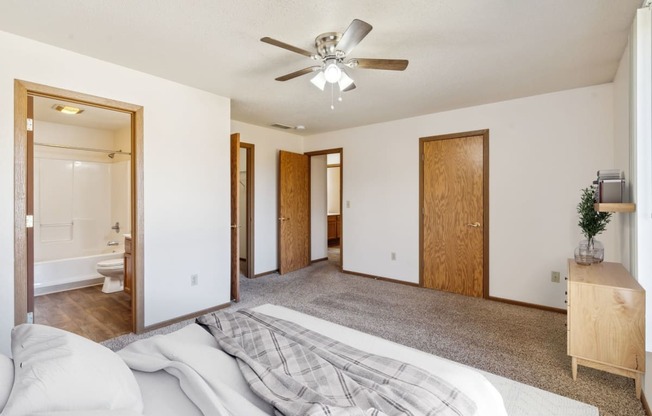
(185, 373)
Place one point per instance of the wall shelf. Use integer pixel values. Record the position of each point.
(615, 207)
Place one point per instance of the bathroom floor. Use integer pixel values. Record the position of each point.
(87, 312)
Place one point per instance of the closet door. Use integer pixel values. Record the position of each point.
(293, 211)
(453, 213)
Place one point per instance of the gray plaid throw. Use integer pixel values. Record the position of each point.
(300, 372)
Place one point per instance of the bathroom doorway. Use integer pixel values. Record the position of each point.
(83, 213)
(326, 205)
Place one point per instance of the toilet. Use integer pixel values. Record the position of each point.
(113, 272)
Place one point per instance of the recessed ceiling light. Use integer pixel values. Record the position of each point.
(300, 127)
(66, 109)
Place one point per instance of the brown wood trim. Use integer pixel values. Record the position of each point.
(185, 317)
(318, 260)
(20, 203)
(266, 273)
(21, 90)
(485, 200)
(334, 165)
(339, 150)
(485, 208)
(251, 212)
(646, 406)
(47, 91)
(384, 279)
(527, 305)
(325, 152)
(30, 207)
(234, 231)
(138, 219)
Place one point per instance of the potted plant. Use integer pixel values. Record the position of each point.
(591, 223)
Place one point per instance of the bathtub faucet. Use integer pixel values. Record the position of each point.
(112, 243)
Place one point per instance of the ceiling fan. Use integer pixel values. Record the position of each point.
(332, 50)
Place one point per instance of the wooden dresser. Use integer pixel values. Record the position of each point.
(606, 320)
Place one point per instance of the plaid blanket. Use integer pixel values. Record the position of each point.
(300, 372)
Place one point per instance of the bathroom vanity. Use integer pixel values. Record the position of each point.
(129, 265)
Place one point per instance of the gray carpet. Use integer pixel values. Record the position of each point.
(523, 344)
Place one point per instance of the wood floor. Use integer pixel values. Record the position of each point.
(87, 312)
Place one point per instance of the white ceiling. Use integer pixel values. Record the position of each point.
(92, 117)
(461, 53)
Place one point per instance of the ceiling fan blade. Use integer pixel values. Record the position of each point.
(356, 31)
(298, 73)
(286, 46)
(387, 64)
(349, 88)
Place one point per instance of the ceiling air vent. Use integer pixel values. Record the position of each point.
(282, 126)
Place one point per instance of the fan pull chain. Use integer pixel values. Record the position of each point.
(332, 106)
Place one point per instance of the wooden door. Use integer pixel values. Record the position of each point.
(235, 217)
(453, 213)
(30, 209)
(294, 211)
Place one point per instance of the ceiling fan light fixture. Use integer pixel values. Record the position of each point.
(345, 81)
(332, 71)
(319, 80)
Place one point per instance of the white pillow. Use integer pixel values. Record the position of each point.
(58, 371)
(6, 379)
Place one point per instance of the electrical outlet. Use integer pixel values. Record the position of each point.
(554, 277)
(194, 279)
(393, 256)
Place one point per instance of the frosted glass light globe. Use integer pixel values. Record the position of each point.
(332, 72)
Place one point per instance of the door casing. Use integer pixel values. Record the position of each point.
(249, 163)
(23, 89)
(235, 217)
(340, 151)
(485, 202)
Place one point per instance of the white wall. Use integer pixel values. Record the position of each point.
(120, 200)
(186, 159)
(267, 143)
(333, 185)
(543, 150)
(621, 222)
(642, 158)
(318, 202)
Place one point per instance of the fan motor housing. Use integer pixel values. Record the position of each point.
(326, 43)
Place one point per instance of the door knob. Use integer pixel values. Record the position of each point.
(283, 219)
(474, 225)
(234, 226)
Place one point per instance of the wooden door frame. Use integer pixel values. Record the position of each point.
(340, 151)
(250, 206)
(485, 201)
(21, 90)
(234, 231)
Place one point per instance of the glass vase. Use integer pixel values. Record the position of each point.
(589, 252)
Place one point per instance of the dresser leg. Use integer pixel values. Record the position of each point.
(574, 364)
(637, 380)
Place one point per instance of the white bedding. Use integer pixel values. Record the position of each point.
(212, 379)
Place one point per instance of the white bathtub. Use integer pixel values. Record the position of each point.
(65, 274)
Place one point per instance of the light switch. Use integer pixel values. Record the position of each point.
(348, 204)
